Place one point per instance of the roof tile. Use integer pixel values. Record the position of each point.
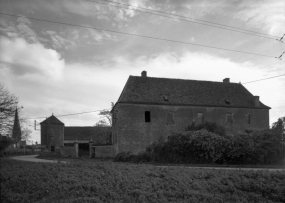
(150, 90)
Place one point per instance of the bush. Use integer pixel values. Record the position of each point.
(4, 144)
(210, 126)
(202, 146)
(124, 157)
(190, 147)
(129, 157)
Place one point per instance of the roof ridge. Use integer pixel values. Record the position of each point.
(87, 126)
(184, 79)
(186, 92)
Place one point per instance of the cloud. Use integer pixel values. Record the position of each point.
(267, 15)
(85, 87)
(30, 58)
(20, 29)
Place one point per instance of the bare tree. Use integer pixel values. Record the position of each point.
(26, 133)
(8, 104)
(107, 117)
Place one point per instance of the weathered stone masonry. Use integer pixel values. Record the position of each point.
(150, 108)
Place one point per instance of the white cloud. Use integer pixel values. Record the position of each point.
(267, 15)
(25, 58)
(86, 87)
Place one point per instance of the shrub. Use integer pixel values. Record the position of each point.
(190, 147)
(124, 157)
(129, 157)
(209, 126)
(202, 146)
(4, 144)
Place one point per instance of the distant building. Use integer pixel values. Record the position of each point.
(149, 108)
(77, 141)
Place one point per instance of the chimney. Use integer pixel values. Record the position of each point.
(144, 74)
(256, 101)
(226, 80)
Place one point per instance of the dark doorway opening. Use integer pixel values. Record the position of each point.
(83, 149)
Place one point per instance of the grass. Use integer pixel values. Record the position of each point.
(91, 181)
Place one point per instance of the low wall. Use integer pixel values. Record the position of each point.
(103, 151)
(67, 151)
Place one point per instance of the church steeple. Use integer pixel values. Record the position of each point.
(16, 133)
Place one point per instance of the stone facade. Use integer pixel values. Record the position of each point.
(132, 133)
(72, 140)
(149, 109)
(52, 133)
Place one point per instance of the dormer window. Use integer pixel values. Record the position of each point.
(165, 98)
(227, 101)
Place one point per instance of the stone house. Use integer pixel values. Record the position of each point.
(149, 108)
(76, 141)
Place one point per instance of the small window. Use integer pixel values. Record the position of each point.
(170, 118)
(147, 116)
(200, 118)
(52, 148)
(248, 118)
(229, 118)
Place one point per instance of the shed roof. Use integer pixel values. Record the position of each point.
(99, 135)
(166, 91)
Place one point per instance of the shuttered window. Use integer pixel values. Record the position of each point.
(229, 118)
(248, 118)
(169, 118)
(200, 118)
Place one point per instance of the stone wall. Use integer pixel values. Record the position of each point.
(68, 151)
(52, 135)
(104, 151)
(132, 133)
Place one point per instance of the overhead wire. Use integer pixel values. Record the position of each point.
(183, 95)
(197, 21)
(72, 114)
(138, 35)
(263, 79)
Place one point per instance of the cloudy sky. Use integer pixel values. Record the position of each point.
(64, 69)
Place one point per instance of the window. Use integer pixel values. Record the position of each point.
(248, 118)
(52, 148)
(147, 116)
(229, 118)
(200, 118)
(170, 118)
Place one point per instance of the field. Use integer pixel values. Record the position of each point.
(120, 182)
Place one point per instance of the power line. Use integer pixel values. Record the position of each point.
(183, 95)
(71, 114)
(202, 22)
(263, 79)
(138, 35)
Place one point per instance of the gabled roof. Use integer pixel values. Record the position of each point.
(166, 91)
(53, 120)
(99, 135)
